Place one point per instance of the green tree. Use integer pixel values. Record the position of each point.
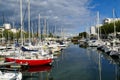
(83, 34)
(109, 28)
(50, 35)
(18, 34)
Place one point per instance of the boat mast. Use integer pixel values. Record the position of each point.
(45, 27)
(98, 25)
(21, 20)
(39, 28)
(114, 23)
(61, 32)
(32, 31)
(55, 31)
(29, 18)
(13, 24)
(114, 29)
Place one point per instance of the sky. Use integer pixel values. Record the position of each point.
(73, 16)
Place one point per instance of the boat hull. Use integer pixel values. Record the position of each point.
(29, 62)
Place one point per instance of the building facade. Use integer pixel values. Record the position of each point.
(110, 20)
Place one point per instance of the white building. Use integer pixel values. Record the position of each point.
(8, 27)
(93, 30)
(14, 30)
(110, 20)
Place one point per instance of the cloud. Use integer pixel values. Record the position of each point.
(70, 13)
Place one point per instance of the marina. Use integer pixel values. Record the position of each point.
(76, 63)
(59, 40)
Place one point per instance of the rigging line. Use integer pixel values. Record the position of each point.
(115, 14)
(25, 14)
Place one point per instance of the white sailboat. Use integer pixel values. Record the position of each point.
(98, 41)
(115, 49)
(10, 75)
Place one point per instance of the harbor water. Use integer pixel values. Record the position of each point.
(76, 63)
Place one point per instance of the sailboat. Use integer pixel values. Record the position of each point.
(115, 50)
(10, 74)
(30, 58)
(97, 42)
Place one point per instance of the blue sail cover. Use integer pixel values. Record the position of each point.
(24, 49)
(17, 44)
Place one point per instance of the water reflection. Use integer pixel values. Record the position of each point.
(37, 73)
(113, 61)
(117, 67)
(99, 67)
(106, 67)
(76, 63)
(95, 61)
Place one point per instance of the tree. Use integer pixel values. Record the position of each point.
(50, 35)
(6, 34)
(109, 28)
(18, 34)
(83, 34)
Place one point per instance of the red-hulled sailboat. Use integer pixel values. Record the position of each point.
(31, 58)
(29, 62)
